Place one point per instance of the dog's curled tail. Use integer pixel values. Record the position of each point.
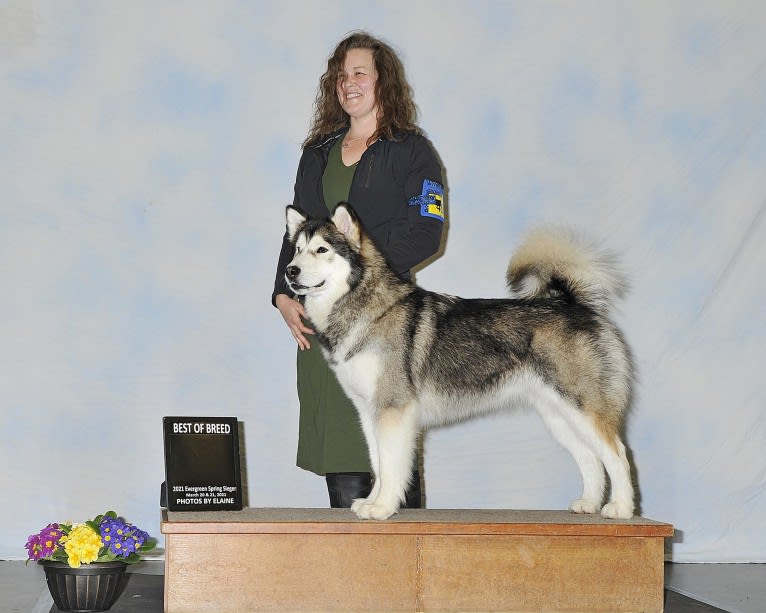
(555, 262)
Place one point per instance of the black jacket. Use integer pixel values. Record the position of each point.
(396, 192)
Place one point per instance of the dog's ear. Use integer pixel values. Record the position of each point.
(294, 220)
(345, 220)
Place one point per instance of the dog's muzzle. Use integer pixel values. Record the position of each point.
(291, 273)
(291, 276)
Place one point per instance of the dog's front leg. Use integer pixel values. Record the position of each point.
(395, 432)
(368, 422)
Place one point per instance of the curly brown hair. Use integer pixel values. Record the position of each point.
(396, 106)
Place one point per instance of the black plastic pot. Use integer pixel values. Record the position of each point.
(88, 588)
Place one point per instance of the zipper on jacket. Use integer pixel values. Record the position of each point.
(369, 171)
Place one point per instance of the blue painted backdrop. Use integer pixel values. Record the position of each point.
(147, 151)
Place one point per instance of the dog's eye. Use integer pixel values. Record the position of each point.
(321, 249)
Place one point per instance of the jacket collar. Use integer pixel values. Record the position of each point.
(328, 139)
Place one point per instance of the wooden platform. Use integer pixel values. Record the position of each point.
(419, 560)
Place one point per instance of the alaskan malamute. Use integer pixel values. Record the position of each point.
(411, 359)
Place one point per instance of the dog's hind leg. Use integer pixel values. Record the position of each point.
(591, 469)
(620, 505)
(396, 433)
(603, 437)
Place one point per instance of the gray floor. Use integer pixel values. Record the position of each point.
(731, 587)
(690, 588)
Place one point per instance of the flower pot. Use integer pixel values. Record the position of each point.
(90, 587)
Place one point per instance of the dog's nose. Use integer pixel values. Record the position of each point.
(292, 272)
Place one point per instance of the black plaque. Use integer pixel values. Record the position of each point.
(202, 464)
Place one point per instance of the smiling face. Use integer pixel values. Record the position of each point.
(356, 84)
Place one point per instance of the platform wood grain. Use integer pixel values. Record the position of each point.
(419, 560)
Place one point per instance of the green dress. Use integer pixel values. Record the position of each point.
(330, 438)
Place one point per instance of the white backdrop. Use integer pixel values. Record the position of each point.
(147, 150)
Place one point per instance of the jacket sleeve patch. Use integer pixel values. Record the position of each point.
(430, 200)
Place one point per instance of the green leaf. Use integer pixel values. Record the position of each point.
(107, 556)
(132, 558)
(148, 545)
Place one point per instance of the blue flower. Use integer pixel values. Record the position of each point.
(122, 538)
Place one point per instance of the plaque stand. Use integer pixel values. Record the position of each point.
(202, 464)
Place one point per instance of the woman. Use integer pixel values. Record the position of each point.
(364, 148)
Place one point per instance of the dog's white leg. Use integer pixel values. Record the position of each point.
(620, 505)
(368, 429)
(591, 469)
(594, 483)
(396, 433)
(612, 455)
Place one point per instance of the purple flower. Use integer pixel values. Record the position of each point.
(42, 545)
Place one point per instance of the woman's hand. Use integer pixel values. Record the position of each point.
(292, 312)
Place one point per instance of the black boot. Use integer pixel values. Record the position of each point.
(412, 497)
(344, 488)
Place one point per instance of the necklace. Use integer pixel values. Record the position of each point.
(347, 141)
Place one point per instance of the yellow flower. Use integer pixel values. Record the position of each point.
(81, 545)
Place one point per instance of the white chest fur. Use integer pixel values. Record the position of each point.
(358, 375)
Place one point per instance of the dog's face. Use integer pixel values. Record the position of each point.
(323, 255)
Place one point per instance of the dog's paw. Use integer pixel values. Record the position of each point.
(617, 510)
(359, 503)
(583, 505)
(374, 511)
